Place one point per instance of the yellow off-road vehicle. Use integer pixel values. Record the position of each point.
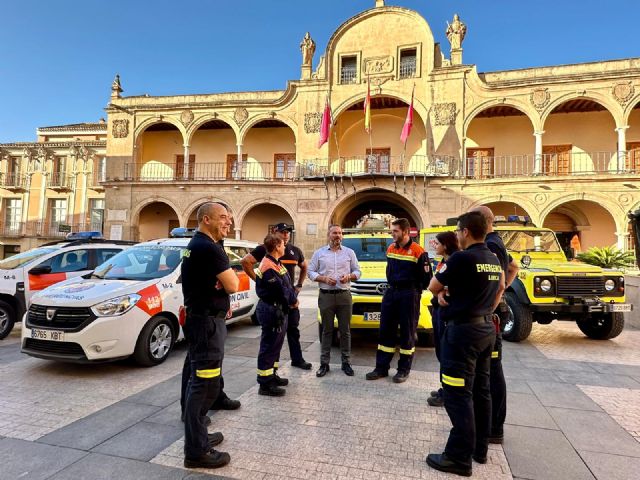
(549, 287)
(370, 247)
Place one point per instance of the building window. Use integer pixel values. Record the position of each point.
(13, 166)
(408, 62)
(284, 165)
(378, 160)
(99, 170)
(480, 162)
(349, 69)
(96, 214)
(12, 215)
(58, 172)
(57, 212)
(232, 165)
(180, 168)
(556, 159)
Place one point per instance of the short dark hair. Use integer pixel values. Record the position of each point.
(475, 223)
(403, 223)
(271, 242)
(206, 209)
(449, 241)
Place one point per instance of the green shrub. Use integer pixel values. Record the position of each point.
(607, 257)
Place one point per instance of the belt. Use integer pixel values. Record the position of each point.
(332, 291)
(472, 320)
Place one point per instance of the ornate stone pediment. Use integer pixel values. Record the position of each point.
(312, 122)
(378, 65)
(444, 113)
(120, 128)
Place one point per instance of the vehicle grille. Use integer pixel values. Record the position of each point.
(65, 318)
(366, 287)
(580, 286)
(362, 308)
(47, 346)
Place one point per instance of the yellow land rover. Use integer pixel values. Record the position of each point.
(550, 288)
(370, 248)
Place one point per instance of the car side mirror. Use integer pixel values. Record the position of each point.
(40, 270)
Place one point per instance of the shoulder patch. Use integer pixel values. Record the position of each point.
(442, 268)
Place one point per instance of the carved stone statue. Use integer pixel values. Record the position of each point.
(308, 48)
(116, 87)
(456, 32)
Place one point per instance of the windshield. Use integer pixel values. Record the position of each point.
(141, 263)
(369, 249)
(529, 240)
(24, 258)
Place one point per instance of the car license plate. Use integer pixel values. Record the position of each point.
(620, 307)
(372, 316)
(55, 335)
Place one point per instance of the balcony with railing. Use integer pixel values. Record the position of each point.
(60, 181)
(13, 181)
(408, 67)
(11, 229)
(95, 180)
(579, 164)
(348, 75)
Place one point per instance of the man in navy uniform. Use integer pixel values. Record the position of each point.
(475, 284)
(292, 257)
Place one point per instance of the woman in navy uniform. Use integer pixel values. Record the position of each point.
(475, 284)
(277, 297)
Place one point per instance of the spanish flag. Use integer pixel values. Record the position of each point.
(367, 108)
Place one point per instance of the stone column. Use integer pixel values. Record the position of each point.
(622, 240)
(239, 163)
(622, 148)
(238, 232)
(185, 173)
(537, 160)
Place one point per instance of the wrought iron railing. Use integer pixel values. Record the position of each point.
(348, 75)
(96, 178)
(60, 180)
(477, 167)
(11, 229)
(13, 180)
(408, 67)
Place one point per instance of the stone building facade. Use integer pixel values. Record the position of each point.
(560, 144)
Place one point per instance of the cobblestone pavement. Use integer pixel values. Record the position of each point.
(573, 413)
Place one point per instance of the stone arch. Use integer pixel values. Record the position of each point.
(249, 205)
(151, 228)
(533, 117)
(142, 127)
(193, 206)
(528, 206)
(635, 102)
(616, 212)
(614, 110)
(253, 121)
(418, 106)
(340, 209)
(203, 119)
(275, 213)
(135, 214)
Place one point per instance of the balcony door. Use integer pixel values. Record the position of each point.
(180, 169)
(378, 160)
(232, 165)
(480, 162)
(556, 159)
(284, 165)
(632, 163)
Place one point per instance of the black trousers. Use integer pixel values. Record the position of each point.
(271, 341)
(465, 364)
(206, 336)
(293, 335)
(438, 329)
(498, 384)
(399, 308)
(186, 376)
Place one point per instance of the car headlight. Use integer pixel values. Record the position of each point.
(116, 306)
(545, 285)
(609, 285)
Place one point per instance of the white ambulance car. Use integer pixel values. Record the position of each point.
(23, 275)
(128, 306)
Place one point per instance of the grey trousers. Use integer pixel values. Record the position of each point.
(335, 305)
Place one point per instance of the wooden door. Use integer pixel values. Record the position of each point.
(232, 164)
(556, 159)
(180, 167)
(480, 162)
(632, 162)
(378, 160)
(284, 166)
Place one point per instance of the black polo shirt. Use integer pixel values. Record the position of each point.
(473, 279)
(496, 245)
(203, 261)
(292, 256)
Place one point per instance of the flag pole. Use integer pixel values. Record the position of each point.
(370, 118)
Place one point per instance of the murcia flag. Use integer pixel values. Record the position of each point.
(325, 124)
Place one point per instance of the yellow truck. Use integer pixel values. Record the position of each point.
(549, 287)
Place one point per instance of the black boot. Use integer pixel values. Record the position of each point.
(376, 374)
(271, 390)
(213, 459)
(441, 462)
(281, 382)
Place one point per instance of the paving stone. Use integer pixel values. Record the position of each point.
(103, 467)
(595, 432)
(612, 467)
(161, 394)
(534, 374)
(526, 410)
(515, 385)
(536, 453)
(563, 395)
(96, 428)
(169, 415)
(142, 441)
(33, 461)
(609, 368)
(598, 379)
(10, 354)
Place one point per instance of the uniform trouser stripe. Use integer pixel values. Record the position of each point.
(452, 381)
(387, 349)
(495, 354)
(404, 351)
(211, 373)
(276, 364)
(265, 373)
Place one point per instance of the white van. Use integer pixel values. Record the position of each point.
(128, 306)
(23, 275)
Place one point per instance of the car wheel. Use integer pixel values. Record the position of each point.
(7, 319)
(602, 327)
(155, 342)
(520, 320)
